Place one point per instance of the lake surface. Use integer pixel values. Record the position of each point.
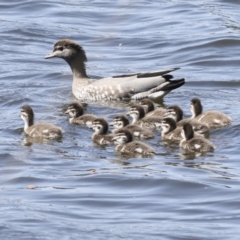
(83, 191)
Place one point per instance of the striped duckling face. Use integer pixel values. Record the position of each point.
(100, 126)
(147, 104)
(167, 125)
(74, 110)
(174, 112)
(136, 112)
(170, 113)
(120, 121)
(122, 137)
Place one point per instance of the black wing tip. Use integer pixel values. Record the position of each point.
(176, 68)
(174, 84)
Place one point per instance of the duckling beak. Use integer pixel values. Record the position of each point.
(114, 139)
(67, 112)
(50, 55)
(158, 125)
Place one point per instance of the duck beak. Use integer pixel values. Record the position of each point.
(50, 55)
(67, 112)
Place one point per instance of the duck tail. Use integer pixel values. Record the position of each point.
(173, 84)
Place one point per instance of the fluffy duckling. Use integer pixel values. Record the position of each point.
(213, 119)
(123, 140)
(75, 111)
(177, 115)
(101, 136)
(192, 143)
(38, 130)
(149, 109)
(122, 122)
(138, 117)
(174, 112)
(170, 131)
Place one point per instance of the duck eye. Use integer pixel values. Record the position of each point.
(60, 48)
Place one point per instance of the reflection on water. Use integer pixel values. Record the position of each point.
(28, 141)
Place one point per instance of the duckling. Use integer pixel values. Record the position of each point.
(213, 119)
(38, 130)
(138, 117)
(123, 140)
(176, 114)
(148, 106)
(192, 143)
(170, 131)
(101, 136)
(122, 122)
(75, 111)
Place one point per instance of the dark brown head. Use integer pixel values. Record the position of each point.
(168, 125)
(120, 121)
(136, 112)
(75, 110)
(147, 105)
(123, 136)
(67, 49)
(27, 115)
(100, 126)
(196, 107)
(188, 131)
(178, 112)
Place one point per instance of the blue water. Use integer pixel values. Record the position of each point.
(83, 191)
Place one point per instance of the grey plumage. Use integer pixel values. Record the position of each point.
(77, 116)
(176, 113)
(138, 115)
(214, 119)
(101, 136)
(121, 122)
(170, 131)
(123, 140)
(150, 110)
(134, 86)
(38, 130)
(192, 143)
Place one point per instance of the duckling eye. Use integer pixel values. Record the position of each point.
(60, 48)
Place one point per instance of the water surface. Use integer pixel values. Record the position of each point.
(90, 192)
